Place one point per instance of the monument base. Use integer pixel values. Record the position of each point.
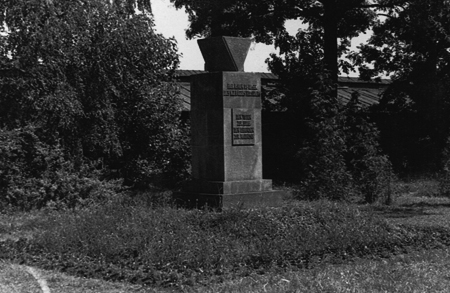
(227, 187)
(271, 198)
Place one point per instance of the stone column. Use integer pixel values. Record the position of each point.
(226, 132)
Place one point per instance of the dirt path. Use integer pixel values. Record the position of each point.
(41, 281)
(16, 279)
(23, 279)
(417, 211)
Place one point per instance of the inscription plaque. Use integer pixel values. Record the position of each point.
(242, 90)
(243, 127)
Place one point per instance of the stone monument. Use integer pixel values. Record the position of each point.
(226, 132)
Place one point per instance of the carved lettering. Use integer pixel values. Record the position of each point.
(246, 136)
(243, 117)
(242, 90)
(244, 123)
(243, 127)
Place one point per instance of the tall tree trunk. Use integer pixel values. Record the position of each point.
(331, 39)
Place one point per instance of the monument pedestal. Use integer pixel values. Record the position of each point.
(272, 198)
(215, 194)
(226, 135)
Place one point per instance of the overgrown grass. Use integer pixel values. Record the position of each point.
(142, 241)
(426, 271)
(127, 240)
(419, 187)
(15, 225)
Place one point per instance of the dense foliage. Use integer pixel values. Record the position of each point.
(265, 21)
(411, 44)
(340, 157)
(336, 151)
(34, 175)
(93, 80)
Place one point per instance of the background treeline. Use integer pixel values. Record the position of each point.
(86, 97)
(88, 105)
(328, 143)
(409, 44)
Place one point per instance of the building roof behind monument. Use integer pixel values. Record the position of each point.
(181, 73)
(369, 91)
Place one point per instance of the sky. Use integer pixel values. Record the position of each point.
(173, 23)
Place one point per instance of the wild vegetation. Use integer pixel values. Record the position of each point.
(134, 241)
(411, 115)
(416, 103)
(90, 122)
(89, 102)
(87, 96)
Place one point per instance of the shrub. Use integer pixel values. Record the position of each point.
(34, 174)
(342, 158)
(371, 170)
(338, 154)
(326, 174)
(444, 176)
(97, 79)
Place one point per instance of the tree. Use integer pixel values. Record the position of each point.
(94, 77)
(333, 20)
(331, 148)
(411, 44)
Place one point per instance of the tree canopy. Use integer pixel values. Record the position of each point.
(411, 44)
(264, 20)
(93, 77)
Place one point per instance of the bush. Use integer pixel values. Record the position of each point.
(444, 176)
(96, 79)
(343, 158)
(34, 175)
(326, 174)
(337, 151)
(371, 170)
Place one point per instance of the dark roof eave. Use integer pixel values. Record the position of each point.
(180, 73)
(343, 80)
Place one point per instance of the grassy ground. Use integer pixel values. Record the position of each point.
(408, 270)
(15, 278)
(417, 203)
(417, 272)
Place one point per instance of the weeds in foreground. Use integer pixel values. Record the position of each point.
(125, 240)
(417, 272)
(139, 240)
(423, 187)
